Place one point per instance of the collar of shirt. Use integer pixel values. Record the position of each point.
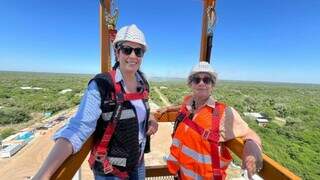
(210, 102)
(119, 77)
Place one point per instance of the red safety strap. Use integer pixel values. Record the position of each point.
(218, 173)
(100, 150)
(121, 97)
(212, 136)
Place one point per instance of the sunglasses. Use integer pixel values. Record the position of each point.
(206, 80)
(127, 50)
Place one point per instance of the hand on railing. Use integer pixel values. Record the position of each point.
(252, 158)
(163, 114)
(152, 127)
(250, 164)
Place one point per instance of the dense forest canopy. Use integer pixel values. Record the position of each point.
(23, 95)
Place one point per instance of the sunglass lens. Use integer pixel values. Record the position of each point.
(139, 52)
(196, 80)
(126, 50)
(206, 80)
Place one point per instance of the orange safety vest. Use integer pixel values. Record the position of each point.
(195, 152)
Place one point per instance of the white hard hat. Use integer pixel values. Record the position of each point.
(130, 33)
(204, 67)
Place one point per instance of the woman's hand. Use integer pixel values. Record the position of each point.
(250, 165)
(252, 158)
(152, 127)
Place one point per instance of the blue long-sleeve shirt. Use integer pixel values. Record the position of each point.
(83, 124)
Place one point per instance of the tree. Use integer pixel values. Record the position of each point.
(281, 109)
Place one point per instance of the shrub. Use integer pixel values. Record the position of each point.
(6, 133)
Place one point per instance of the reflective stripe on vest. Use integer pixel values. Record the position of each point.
(125, 114)
(184, 170)
(117, 161)
(176, 142)
(172, 158)
(200, 158)
(190, 173)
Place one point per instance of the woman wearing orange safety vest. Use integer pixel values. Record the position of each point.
(203, 124)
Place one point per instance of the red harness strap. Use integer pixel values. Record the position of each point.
(121, 97)
(212, 136)
(100, 150)
(218, 173)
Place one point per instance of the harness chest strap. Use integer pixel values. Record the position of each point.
(121, 97)
(99, 151)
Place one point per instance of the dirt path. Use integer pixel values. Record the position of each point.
(162, 97)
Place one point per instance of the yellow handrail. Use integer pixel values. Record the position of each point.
(71, 165)
(105, 62)
(271, 169)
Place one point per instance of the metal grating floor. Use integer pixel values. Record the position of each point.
(160, 178)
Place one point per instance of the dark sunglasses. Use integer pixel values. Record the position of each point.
(206, 80)
(127, 50)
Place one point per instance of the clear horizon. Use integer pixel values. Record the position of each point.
(266, 41)
(165, 77)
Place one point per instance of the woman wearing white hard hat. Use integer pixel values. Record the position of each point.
(202, 127)
(115, 110)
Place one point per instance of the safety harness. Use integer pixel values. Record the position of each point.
(212, 136)
(100, 150)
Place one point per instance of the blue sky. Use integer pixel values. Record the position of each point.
(259, 40)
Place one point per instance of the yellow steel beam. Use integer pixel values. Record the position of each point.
(72, 164)
(204, 34)
(104, 39)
